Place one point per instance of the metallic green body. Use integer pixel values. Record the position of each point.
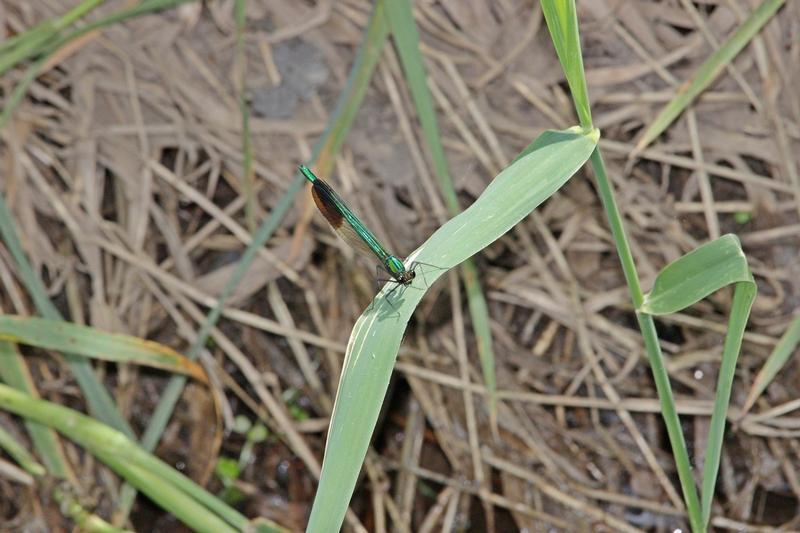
(353, 231)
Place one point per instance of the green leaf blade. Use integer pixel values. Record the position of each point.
(562, 21)
(91, 342)
(163, 484)
(697, 274)
(777, 359)
(743, 297)
(376, 337)
(686, 281)
(15, 373)
(709, 70)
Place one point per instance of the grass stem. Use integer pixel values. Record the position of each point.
(647, 326)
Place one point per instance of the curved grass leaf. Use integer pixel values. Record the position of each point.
(90, 342)
(686, 281)
(515, 192)
(697, 274)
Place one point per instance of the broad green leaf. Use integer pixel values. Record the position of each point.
(697, 274)
(90, 342)
(375, 340)
(709, 71)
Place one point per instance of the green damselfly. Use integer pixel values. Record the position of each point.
(348, 226)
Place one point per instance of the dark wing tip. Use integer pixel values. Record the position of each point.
(326, 203)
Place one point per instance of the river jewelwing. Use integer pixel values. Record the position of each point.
(347, 225)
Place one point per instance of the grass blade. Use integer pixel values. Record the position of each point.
(97, 397)
(686, 281)
(20, 454)
(248, 176)
(672, 290)
(743, 297)
(91, 342)
(779, 356)
(14, 372)
(350, 100)
(38, 39)
(562, 21)
(709, 70)
(647, 326)
(375, 340)
(162, 483)
(406, 39)
(83, 520)
(327, 146)
(697, 274)
(46, 47)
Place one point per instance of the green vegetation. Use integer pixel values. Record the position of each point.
(535, 175)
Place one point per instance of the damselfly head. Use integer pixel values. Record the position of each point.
(406, 277)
